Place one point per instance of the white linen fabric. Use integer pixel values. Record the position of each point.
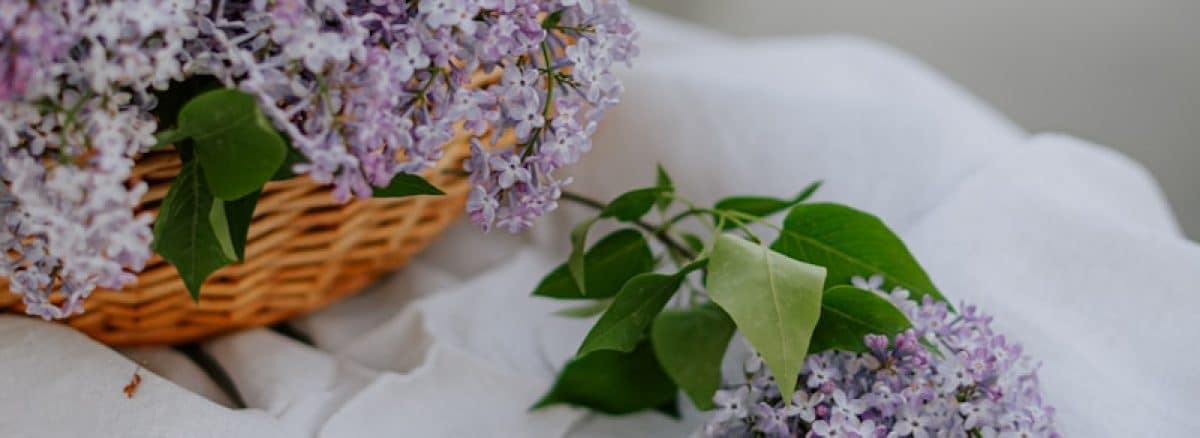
(1070, 245)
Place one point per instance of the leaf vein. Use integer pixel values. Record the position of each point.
(777, 306)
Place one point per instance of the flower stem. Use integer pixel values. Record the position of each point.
(659, 234)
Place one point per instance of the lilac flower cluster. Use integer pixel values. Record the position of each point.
(76, 83)
(364, 89)
(950, 375)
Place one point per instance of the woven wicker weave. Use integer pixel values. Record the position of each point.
(304, 251)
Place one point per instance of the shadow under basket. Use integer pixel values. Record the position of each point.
(304, 251)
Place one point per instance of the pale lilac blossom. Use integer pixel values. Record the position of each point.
(966, 381)
(76, 85)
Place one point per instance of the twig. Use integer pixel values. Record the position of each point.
(659, 234)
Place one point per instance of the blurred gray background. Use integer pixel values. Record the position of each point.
(1123, 73)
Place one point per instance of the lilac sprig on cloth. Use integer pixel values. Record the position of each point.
(363, 89)
(951, 375)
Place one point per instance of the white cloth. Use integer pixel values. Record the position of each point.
(1070, 245)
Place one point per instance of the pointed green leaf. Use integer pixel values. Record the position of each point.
(848, 314)
(587, 310)
(609, 263)
(808, 191)
(757, 206)
(774, 300)
(849, 243)
(220, 228)
(761, 206)
(167, 138)
(240, 214)
(407, 184)
(575, 260)
(177, 94)
(625, 322)
(690, 344)
(612, 382)
(551, 21)
(632, 205)
(183, 234)
(237, 147)
(663, 182)
(694, 242)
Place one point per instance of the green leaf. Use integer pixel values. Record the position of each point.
(613, 382)
(761, 206)
(240, 213)
(551, 21)
(220, 228)
(694, 242)
(167, 138)
(663, 182)
(177, 94)
(690, 344)
(625, 322)
(575, 261)
(758, 206)
(632, 205)
(607, 266)
(774, 300)
(407, 184)
(587, 310)
(183, 234)
(237, 147)
(848, 314)
(849, 243)
(808, 192)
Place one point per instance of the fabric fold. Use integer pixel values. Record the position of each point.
(299, 385)
(60, 383)
(452, 394)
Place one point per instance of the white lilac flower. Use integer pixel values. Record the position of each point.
(820, 370)
(872, 283)
(847, 406)
(978, 384)
(731, 405)
(518, 89)
(912, 421)
(752, 364)
(482, 206)
(770, 421)
(804, 405)
(977, 413)
(586, 5)
(75, 96)
(409, 60)
(509, 170)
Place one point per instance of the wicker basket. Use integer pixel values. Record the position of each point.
(304, 251)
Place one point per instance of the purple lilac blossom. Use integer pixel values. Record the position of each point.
(358, 84)
(969, 382)
(364, 89)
